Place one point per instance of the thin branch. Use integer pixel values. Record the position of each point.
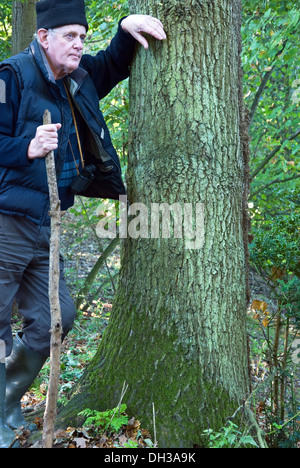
(154, 427)
(93, 273)
(100, 247)
(259, 93)
(263, 84)
(118, 408)
(85, 305)
(276, 181)
(272, 154)
(259, 432)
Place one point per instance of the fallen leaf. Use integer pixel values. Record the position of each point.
(122, 439)
(80, 442)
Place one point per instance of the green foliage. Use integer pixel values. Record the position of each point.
(109, 420)
(229, 437)
(275, 254)
(271, 91)
(271, 65)
(5, 28)
(103, 17)
(276, 243)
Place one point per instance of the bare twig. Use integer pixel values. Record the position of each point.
(154, 427)
(118, 408)
(260, 434)
(54, 275)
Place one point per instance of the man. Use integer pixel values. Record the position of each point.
(51, 74)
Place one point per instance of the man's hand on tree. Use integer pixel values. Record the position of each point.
(138, 24)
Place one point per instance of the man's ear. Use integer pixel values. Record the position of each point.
(43, 37)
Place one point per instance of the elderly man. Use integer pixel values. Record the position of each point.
(51, 74)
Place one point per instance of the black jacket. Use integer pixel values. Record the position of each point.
(24, 187)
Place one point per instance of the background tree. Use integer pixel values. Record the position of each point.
(5, 29)
(177, 335)
(23, 23)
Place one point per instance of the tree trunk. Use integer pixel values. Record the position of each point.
(177, 334)
(24, 24)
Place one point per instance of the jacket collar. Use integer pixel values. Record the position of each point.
(41, 61)
(76, 78)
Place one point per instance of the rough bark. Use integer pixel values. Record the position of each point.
(177, 335)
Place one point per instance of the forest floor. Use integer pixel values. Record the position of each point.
(80, 248)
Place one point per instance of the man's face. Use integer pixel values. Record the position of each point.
(64, 48)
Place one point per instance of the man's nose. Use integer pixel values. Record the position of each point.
(78, 43)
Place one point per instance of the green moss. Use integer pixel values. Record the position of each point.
(186, 403)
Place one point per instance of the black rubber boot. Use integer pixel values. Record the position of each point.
(22, 367)
(7, 436)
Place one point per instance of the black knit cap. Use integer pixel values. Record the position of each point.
(55, 13)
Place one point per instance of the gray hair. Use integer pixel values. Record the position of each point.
(50, 30)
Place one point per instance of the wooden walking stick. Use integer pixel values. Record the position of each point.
(54, 275)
